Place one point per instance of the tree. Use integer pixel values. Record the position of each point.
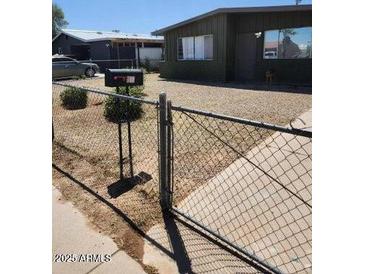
(287, 47)
(288, 32)
(58, 19)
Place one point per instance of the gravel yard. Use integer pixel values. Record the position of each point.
(267, 106)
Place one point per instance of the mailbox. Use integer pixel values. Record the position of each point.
(123, 77)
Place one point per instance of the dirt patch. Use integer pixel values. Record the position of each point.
(84, 185)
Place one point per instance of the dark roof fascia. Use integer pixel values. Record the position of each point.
(234, 10)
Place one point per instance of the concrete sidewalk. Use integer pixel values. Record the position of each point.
(246, 206)
(71, 234)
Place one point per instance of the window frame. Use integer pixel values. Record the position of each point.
(274, 59)
(193, 36)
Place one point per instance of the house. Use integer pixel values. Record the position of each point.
(109, 49)
(241, 44)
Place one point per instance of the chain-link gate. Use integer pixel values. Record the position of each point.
(246, 183)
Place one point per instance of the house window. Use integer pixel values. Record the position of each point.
(186, 48)
(195, 48)
(292, 43)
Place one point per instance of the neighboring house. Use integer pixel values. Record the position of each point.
(102, 47)
(241, 44)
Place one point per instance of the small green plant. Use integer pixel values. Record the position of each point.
(117, 110)
(73, 98)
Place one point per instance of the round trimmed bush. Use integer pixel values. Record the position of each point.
(73, 98)
(117, 110)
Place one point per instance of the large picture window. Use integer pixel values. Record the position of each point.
(293, 43)
(195, 48)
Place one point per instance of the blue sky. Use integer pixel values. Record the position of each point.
(144, 16)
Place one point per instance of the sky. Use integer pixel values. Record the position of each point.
(145, 16)
(302, 36)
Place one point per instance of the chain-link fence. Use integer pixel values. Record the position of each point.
(149, 64)
(93, 125)
(247, 183)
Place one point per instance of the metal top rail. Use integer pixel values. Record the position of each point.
(295, 131)
(124, 97)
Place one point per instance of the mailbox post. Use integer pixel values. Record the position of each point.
(118, 78)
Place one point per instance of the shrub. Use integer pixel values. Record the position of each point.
(73, 98)
(147, 65)
(117, 110)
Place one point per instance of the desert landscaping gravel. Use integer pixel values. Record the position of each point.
(277, 107)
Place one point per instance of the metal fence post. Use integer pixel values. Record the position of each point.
(164, 195)
(169, 156)
(120, 144)
(129, 114)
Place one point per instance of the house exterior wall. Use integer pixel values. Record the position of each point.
(225, 29)
(65, 44)
(213, 70)
(152, 54)
(290, 70)
(99, 51)
(107, 56)
(231, 48)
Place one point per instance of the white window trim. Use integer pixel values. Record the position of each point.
(177, 49)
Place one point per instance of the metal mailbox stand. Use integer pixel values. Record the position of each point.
(117, 78)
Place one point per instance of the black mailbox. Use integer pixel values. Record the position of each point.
(123, 77)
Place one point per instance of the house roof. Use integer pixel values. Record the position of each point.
(235, 10)
(93, 35)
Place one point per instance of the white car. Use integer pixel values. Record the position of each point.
(270, 55)
(63, 66)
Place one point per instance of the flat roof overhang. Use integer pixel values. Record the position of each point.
(235, 10)
(131, 40)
